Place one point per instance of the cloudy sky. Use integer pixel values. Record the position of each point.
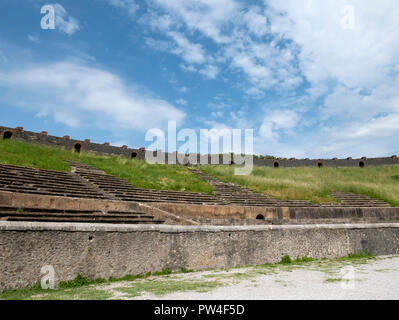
(312, 78)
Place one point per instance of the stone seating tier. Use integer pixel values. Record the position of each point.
(53, 215)
(235, 194)
(89, 182)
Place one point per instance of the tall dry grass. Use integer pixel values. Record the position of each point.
(316, 184)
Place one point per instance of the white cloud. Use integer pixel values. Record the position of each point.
(210, 71)
(158, 44)
(276, 121)
(207, 16)
(33, 38)
(350, 76)
(355, 69)
(184, 89)
(217, 114)
(188, 68)
(354, 57)
(346, 104)
(219, 102)
(130, 6)
(79, 95)
(64, 22)
(190, 52)
(181, 102)
(256, 21)
(237, 34)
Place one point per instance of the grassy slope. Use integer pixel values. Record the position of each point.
(139, 173)
(316, 184)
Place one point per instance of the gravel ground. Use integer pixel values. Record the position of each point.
(371, 279)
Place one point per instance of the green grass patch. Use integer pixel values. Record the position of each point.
(332, 280)
(162, 287)
(82, 293)
(286, 260)
(79, 281)
(21, 294)
(303, 259)
(77, 289)
(184, 270)
(165, 271)
(357, 256)
(316, 184)
(138, 172)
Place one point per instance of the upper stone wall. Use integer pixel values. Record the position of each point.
(105, 148)
(70, 144)
(362, 162)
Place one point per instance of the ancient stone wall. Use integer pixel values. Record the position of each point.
(105, 148)
(281, 215)
(361, 162)
(70, 144)
(117, 250)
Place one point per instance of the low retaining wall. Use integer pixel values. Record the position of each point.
(212, 214)
(23, 200)
(105, 250)
(221, 212)
(192, 214)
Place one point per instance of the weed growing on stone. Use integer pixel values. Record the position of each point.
(79, 281)
(164, 271)
(286, 260)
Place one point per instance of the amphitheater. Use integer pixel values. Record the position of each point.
(98, 225)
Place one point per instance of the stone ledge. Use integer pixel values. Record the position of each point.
(103, 227)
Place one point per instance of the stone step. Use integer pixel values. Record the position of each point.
(36, 184)
(61, 211)
(51, 193)
(167, 200)
(82, 220)
(58, 215)
(50, 179)
(46, 182)
(49, 189)
(160, 192)
(79, 215)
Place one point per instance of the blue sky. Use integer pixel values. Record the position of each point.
(311, 78)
